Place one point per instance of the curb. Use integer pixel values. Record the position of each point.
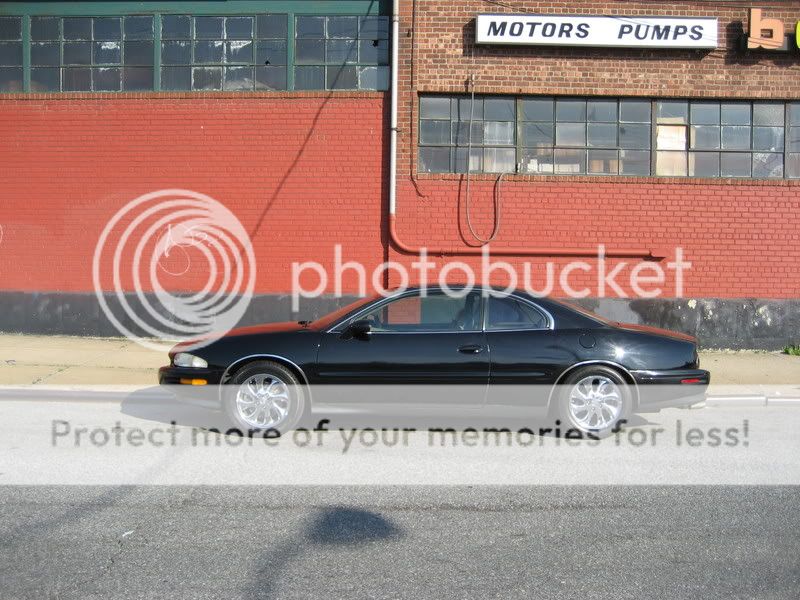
(90, 395)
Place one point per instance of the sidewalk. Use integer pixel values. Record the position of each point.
(73, 361)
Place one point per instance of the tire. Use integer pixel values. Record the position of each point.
(594, 400)
(264, 396)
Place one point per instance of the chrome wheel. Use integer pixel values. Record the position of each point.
(595, 402)
(263, 401)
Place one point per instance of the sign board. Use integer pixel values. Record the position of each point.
(769, 34)
(608, 31)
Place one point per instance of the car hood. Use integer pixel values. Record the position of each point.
(657, 331)
(266, 328)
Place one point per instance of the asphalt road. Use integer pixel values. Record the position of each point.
(400, 542)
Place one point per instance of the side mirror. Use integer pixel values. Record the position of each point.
(360, 328)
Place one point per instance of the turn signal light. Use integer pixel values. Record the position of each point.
(194, 381)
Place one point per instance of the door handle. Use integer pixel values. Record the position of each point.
(471, 349)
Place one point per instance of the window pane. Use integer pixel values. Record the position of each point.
(10, 79)
(45, 80)
(238, 78)
(603, 162)
(107, 28)
(705, 113)
(373, 52)
(570, 110)
(106, 53)
(736, 114)
(570, 134)
(106, 79)
(463, 110)
(736, 137)
(176, 53)
(634, 111)
(138, 28)
(499, 160)
(603, 135)
(434, 132)
(239, 28)
(634, 162)
(208, 28)
(768, 138)
(475, 162)
(434, 160)
(538, 110)
(137, 79)
(45, 28)
(309, 78)
(735, 164)
(793, 165)
(460, 132)
(508, 313)
(794, 139)
(671, 137)
(271, 52)
(767, 165)
(343, 27)
(77, 28)
(77, 53)
(537, 134)
(77, 80)
(434, 107)
(310, 27)
(271, 78)
(239, 52)
(604, 111)
(634, 135)
(374, 28)
(10, 28)
(537, 160)
(499, 109)
(176, 78)
(175, 27)
(342, 78)
(704, 137)
(569, 161)
(204, 52)
(11, 53)
(672, 111)
(498, 132)
(207, 78)
(341, 51)
(435, 312)
(768, 113)
(794, 113)
(138, 53)
(704, 164)
(671, 164)
(374, 78)
(309, 52)
(271, 26)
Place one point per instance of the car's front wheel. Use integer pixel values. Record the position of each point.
(264, 396)
(594, 399)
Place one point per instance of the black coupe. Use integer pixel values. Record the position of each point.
(435, 352)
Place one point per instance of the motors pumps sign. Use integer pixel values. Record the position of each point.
(610, 31)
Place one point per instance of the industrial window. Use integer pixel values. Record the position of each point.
(341, 52)
(223, 53)
(10, 54)
(609, 136)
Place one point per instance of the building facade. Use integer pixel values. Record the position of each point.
(648, 140)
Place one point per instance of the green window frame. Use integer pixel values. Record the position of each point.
(191, 60)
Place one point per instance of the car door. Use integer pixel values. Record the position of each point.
(421, 349)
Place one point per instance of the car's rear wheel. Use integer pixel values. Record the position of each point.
(594, 399)
(264, 396)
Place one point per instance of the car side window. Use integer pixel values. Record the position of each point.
(511, 313)
(434, 312)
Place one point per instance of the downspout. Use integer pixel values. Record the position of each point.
(471, 250)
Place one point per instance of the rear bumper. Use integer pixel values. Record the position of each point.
(670, 389)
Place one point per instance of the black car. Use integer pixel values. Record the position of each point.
(433, 351)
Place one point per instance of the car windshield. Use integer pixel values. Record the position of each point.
(331, 318)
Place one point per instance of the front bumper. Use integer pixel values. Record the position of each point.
(670, 389)
(177, 380)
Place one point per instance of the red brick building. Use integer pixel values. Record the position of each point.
(280, 109)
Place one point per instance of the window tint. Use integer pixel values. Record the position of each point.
(434, 312)
(510, 313)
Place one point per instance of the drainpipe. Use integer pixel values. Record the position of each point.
(472, 250)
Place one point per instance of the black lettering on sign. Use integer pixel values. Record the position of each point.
(496, 28)
(697, 32)
(661, 32)
(565, 30)
(532, 28)
(549, 29)
(583, 30)
(515, 29)
(679, 31)
(624, 30)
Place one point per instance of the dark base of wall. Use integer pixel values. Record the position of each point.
(717, 323)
